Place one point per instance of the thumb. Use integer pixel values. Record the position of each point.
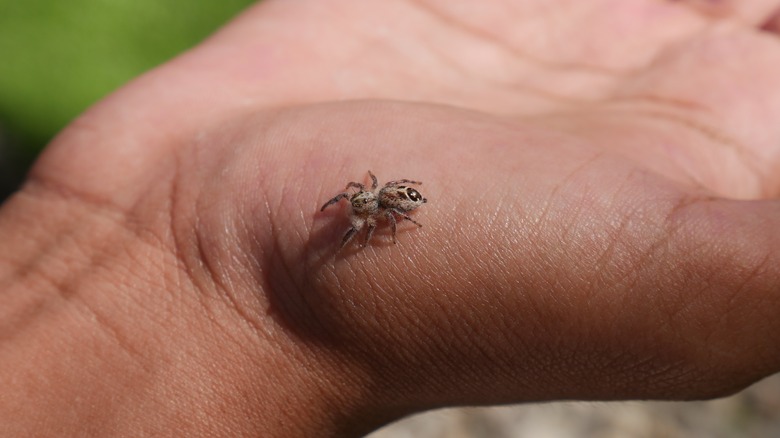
(578, 277)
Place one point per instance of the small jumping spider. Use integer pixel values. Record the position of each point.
(368, 205)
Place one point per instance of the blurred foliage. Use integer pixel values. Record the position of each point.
(58, 57)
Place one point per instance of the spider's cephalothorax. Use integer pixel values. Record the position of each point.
(395, 198)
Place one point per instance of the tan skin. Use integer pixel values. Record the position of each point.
(600, 221)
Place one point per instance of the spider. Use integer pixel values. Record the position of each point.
(394, 198)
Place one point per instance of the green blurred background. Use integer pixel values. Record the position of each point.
(58, 57)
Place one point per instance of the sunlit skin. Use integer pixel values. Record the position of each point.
(602, 221)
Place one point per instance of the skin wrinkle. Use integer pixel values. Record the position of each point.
(194, 259)
(515, 85)
(512, 85)
(759, 269)
(86, 313)
(665, 102)
(226, 290)
(35, 305)
(616, 237)
(645, 262)
(244, 231)
(188, 234)
(44, 188)
(708, 283)
(770, 300)
(735, 296)
(219, 283)
(23, 268)
(67, 287)
(536, 239)
(28, 271)
(660, 242)
(577, 211)
(114, 332)
(213, 273)
(604, 262)
(684, 175)
(180, 247)
(230, 268)
(182, 267)
(481, 35)
(744, 13)
(715, 137)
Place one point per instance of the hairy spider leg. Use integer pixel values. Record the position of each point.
(357, 225)
(402, 181)
(374, 182)
(347, 237)
(370, 232)
(406, 216)
(335, 199)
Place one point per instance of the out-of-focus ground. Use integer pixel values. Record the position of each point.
(753, 413)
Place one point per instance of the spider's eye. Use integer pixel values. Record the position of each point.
(413, 194)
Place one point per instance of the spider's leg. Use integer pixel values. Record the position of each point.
(335, 199)
(370, 232)
(357, 185)
(402, 181)
(374, 182)
(347, 237)
(406, 216)
(357, 225)
(391, 219)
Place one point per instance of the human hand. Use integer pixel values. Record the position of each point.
(167, 268)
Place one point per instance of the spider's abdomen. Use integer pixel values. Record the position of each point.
(403, 198)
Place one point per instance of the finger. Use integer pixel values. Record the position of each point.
(753, 12)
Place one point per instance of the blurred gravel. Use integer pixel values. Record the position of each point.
(754, 412)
